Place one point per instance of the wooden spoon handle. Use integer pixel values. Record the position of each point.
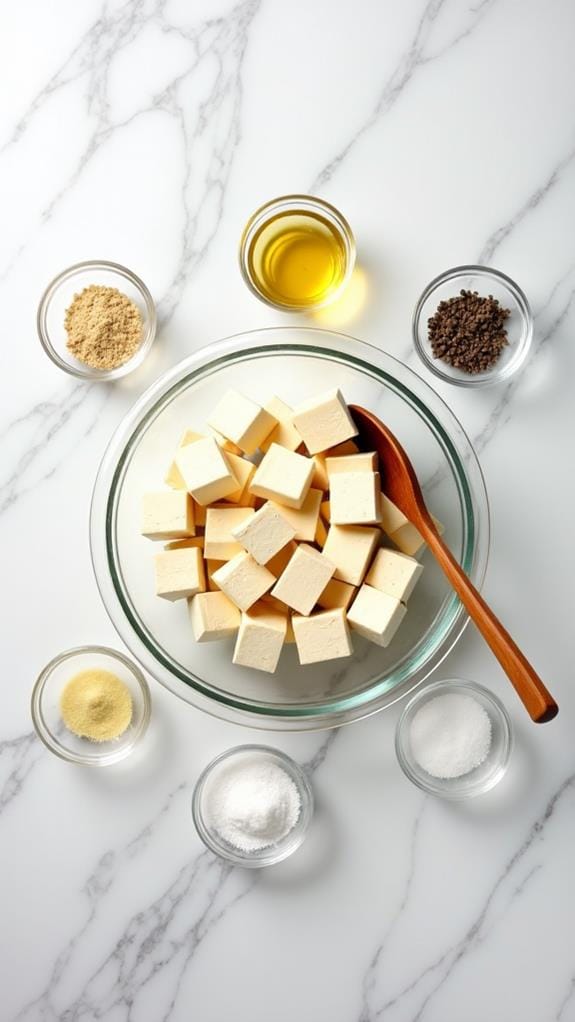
(538, 702)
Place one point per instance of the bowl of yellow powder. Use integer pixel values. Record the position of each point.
(91, 705)
(97, 320)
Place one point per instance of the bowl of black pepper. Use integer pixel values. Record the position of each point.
(472, 326)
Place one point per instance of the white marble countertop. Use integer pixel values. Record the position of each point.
(146, 131)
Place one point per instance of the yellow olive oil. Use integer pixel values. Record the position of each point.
(297, 259)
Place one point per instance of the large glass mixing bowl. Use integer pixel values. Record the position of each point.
(294, 363)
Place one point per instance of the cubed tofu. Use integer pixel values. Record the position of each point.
(285, 434)
(180, 573)
(350, 548)
(226, 445)
(325, 511)
(260, 639)
(168, 514)
(351, 463)
(206, 472)
(304, 579)
(213, 617)
(320, 479)
(220, 543)
(283, 476)
(200, 515)
(244, 472)
(265, 533)
(376, 615)
(243, 580)
(211, 566)
(336, 594)
(173, 476)
(305, 520)
(324, 421)
(355, 498)
(242, 421)
(394, 573)
(279, 563)
(409, 540)
(392, 518)
(181, 544)
(323, 636)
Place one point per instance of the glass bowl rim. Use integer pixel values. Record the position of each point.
(435, 786)
(45, 734)
(285, 202)
(273, 853)
(96, 375)
(210, 358)
(496, 374)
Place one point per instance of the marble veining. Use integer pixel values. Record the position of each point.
(146, 131)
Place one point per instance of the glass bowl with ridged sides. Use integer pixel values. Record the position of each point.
(295, 363)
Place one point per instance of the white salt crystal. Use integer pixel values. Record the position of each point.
(450, 735)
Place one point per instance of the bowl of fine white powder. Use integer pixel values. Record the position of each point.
(453, 739)
(252, 805)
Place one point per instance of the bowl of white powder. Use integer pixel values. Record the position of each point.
(252, 805)
(453, 739)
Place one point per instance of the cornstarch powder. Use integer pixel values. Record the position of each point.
(450, 735)
(252, 804)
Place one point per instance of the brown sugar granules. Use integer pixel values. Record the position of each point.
(104, 327)
(468, 331)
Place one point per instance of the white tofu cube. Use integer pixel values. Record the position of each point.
(244, 472)
(394, 573)
(168, 514)
(350, 548)
(260, 639)
(320, 479)
(242, 421)
(392, 518)
(376, 615)
(205, 470)
(305, 520)
(265, 533)
(351, 463)
(182, 544)
(324, 421)
(285, 434)
(173, 476)
(323, 636)
(279, 563)
(220, 543)
(409, 539)
(283, 476)
(180, 573)
(226, 445)
(336, 594)
(213, 617)
(243, 580)
(355, 498)
(304, 579)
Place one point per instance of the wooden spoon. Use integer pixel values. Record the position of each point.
(402, 487)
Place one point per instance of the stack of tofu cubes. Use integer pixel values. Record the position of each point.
(274, 523)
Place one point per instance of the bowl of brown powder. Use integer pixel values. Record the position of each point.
(472, 326)
(97, 320)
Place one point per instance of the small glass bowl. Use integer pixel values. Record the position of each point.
(295, 204)
(477, 781)
(58, 297)
(49, 725)
(486, 281)
(272, 853)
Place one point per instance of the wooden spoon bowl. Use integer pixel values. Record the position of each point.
(400, 484)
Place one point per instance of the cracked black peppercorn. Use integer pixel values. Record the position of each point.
(468, 331)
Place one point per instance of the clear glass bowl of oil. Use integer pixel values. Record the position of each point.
(297, 253)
